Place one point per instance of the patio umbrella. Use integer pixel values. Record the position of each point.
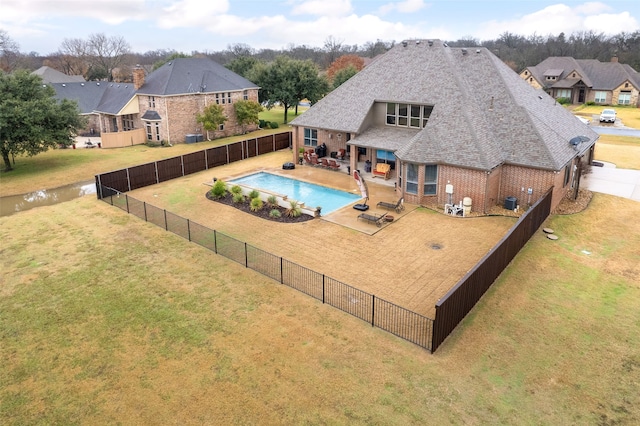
(363, 190)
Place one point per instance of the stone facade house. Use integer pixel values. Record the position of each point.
(585, 80)
(451, 123)
(161, 106)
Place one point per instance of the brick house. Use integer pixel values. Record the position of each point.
(586, 80)
(161, 106)
(444, 116)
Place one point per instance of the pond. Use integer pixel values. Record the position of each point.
(17, 203)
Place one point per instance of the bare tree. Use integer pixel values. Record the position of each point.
(9, 52)
(332, 48)
(108, 53)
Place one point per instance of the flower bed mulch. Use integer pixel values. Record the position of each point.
(263, 213)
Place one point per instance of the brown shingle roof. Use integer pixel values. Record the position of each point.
(484, 114)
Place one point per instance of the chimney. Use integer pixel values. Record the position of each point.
(614, 58)
(138, 77)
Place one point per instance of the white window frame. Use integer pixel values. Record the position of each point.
(624, 98)
(411, 181)
(600, 97)
(400, 114)
(430, 187)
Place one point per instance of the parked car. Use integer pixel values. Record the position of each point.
(608, 116)
(584, 120)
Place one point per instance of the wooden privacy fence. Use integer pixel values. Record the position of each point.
(135, 177)
(457, 303)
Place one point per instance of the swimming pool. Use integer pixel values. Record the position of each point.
(308, 193)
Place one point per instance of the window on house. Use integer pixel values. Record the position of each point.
(218, 98)
(158, 131)
(573, 75)
(221, 127)
(430, 179)
(563, 93)
(407, 115)
(127, 122)
(310, 137)
(386, 157)
(149, 132)
(531, 79)
(229, 97)
(152, 101)
(567, 175)
(526, 73)
(624, 98)
(245, 95)
(412, 178)
(600, 97)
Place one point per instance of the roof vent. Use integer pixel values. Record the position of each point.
(404, 43)
(417, 41)
(464, 51)
(98, 84)
(81, 84)
(64, 85)
(477, 50)
(430, 42)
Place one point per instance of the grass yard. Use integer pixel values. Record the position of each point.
(106, 319)
(623, 151)
(629, 115)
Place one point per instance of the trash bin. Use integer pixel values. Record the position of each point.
(510, 203)
(348, 170)
(367, 166)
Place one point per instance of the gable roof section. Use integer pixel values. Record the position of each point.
(50, 75)
(88, 95)
(484, 114)
(193, 75)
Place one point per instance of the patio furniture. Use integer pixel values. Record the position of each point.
(454, 210)
(373, 218)
(325, 163)
(398, 207)
(382, 170)
(333, 164)
(341, 154)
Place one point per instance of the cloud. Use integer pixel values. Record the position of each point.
(188, 13)
(406, 6)
(559, 18)
(322, 8)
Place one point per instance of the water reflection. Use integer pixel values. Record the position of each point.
(46, 197)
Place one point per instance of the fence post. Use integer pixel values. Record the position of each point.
(144, 206)
(323, 299)
(126, 198)
(188, 229)
(215, 242)
(246, 256)
(166, 226)
(373, 310)
(281, 270)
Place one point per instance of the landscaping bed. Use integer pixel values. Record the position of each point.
(263, 213)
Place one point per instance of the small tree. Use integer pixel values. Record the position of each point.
(343, 75)
(211, 118)
(247, 112)
(31, 120)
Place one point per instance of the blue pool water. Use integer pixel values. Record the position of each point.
(308, 193)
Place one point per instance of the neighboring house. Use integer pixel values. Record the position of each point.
(586, 80)
(162, 106)
(441, 115)
(50, 75)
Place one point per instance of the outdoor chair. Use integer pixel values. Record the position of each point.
(398, 207)
(373, 218)
(325, 163)
(341, 154)
(333, 164)
(382, 170)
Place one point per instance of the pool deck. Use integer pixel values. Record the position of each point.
(379, 190)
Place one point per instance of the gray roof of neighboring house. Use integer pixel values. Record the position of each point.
(50, 75)
(193, 75)
(595, 74)
(181, 76)
(484, 114)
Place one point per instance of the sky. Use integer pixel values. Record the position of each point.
(212, 25)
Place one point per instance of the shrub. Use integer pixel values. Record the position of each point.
(563, 101)
(294, 209)
(236, 189)
(238, 198)
(273, 125)
(256, 204)
(275, 213)
(219, 189)
(591, 103)
(263, 124)
(254, 194)
(272, 200)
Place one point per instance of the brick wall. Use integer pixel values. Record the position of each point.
(515, 178)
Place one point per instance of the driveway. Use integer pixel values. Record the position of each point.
(611, 180)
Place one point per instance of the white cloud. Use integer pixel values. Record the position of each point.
(188, 13)
(554, 19)
(322, 8)
(406, 6)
